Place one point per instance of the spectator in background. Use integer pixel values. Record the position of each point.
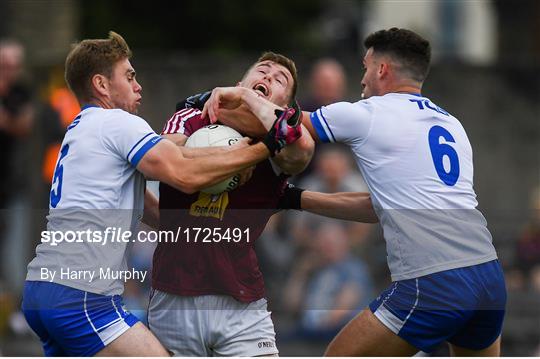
(275, 250)
(327, 84)
(16, 120)
(334, 172)
(16, 112)
(328, 285)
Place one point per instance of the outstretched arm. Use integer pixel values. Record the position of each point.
(166, 163)
(349, 206)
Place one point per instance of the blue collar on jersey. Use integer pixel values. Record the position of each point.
(88, 106)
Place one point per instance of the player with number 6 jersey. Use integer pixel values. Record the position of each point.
(419, 172)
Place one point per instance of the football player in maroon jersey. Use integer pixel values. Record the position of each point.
(208, 293)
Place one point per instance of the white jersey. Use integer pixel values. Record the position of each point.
(417, 162)
(95, 186)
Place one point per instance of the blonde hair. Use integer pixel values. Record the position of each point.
(90, 57)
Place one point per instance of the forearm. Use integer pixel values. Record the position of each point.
(295, 157)
(201, 172)
(351, 206)
(197, 152)
(243, 120)
(254, 117)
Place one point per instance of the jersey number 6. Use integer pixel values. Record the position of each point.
(439, 150)
(56, 193)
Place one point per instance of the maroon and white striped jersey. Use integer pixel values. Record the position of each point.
(218, 265)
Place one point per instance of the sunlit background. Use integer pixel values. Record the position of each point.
(486, 72)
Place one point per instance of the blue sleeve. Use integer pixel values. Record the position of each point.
(130, 137)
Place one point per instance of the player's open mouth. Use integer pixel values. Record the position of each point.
(261, 89)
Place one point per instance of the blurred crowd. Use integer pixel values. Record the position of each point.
(318, 272)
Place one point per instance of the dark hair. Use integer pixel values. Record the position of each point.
(411, 50)
(283, 61)
(91, 57)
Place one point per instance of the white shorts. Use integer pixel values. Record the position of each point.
(211, 325)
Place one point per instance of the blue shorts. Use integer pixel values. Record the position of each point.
(72, 322)
(463, 306)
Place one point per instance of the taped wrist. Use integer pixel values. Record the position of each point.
(292, 198)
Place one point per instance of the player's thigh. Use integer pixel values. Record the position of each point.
(76, 323)
(494, 350)
(365, 335)
(136, 341)
(178, 323)
(242, 329)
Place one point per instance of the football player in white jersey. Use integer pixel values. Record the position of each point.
(416, 159)
(72, 297)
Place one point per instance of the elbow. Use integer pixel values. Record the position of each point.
(189, 189)
(256, 130)
(296, 165)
